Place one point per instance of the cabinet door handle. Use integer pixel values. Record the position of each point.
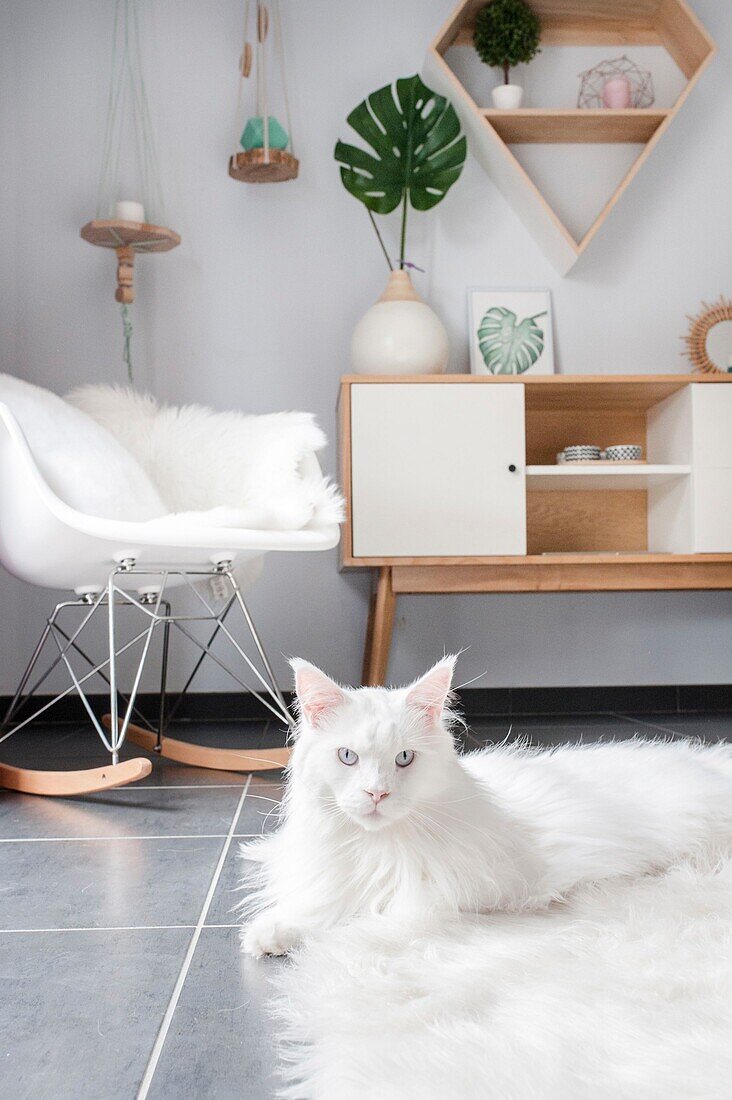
(512, 469)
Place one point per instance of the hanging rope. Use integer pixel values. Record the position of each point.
(115, 91)
(153, 186)
(243, 68)
(262, 106)
(128, 96)
(128, 134)
(280, 49)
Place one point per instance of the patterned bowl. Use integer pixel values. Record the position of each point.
(624, 452)
(584, 452)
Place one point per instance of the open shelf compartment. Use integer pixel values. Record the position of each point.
(608, 507)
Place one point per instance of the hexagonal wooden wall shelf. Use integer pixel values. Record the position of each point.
(619, 23)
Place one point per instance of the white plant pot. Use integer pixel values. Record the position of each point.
(507, 97)
(400, 334)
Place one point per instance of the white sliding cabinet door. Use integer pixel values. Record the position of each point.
(438, 469)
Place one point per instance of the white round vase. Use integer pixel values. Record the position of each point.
(507, 97)
(400, 334)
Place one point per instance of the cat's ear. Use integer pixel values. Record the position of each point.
(317, 694)
(429, 694)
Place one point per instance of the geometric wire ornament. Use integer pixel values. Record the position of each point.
(699, 329)
(70, 651)
(593, 83)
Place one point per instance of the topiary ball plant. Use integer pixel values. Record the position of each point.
(507, 33)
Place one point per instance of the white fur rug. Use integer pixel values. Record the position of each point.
(624, 994)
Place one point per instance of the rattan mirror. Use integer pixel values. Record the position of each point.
(709, 339)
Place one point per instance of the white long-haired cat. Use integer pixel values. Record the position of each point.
(381, 815)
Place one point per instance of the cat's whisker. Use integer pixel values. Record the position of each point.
(426, 820)
(268, 815)
(462, 823)
(450, 801)
(467, 683)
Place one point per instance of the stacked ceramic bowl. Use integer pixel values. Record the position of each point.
(587, 452)
(581, 453)
(624, 452)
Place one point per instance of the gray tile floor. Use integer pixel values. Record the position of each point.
(120, 971)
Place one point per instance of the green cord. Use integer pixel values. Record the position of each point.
(127, 340)
(129, 120)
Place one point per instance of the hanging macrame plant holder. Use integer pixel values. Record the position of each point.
(129, 227)
(267, 155)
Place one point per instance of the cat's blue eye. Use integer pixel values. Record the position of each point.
(404, 758)
(347, 757)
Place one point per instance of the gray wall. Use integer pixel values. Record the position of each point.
(255, 309)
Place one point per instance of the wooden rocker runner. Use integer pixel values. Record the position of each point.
(69, 784)
(204, 756)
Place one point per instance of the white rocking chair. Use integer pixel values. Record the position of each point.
(110, 564)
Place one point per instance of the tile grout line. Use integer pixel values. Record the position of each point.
(96, 839)
(162, 1035)
(105, 928)
(102, 839)
(632, 721)
(179, 787)
(115, 928)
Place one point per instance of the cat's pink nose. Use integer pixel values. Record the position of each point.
(377, 796)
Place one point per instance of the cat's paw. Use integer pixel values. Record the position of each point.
(268, 935)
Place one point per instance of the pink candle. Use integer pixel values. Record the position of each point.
(616, 92)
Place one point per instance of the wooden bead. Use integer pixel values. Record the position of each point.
(262, 22)
(125, 275)
(245, 62)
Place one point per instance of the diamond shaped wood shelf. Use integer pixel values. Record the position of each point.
(625, 23)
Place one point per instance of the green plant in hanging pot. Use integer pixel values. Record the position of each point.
(507, 33)
(416, 153)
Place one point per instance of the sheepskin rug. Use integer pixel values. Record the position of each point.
(623, 994)
(222, 469)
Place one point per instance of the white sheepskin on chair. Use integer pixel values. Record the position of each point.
(624, 993)
(222, 469)
(84, 466)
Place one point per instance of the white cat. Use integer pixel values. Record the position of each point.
(381, 815)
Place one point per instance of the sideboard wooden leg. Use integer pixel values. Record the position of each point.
(379, 631)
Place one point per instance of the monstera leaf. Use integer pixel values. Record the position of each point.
(417, 150)
(508, 347)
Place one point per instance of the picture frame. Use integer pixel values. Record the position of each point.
(496, 318)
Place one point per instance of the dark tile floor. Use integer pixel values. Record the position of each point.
(120, 971)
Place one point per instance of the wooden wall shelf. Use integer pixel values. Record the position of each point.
(667, 23)
(553, 127)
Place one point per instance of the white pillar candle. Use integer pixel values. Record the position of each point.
(128, 211)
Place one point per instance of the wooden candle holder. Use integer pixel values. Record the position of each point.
(127, 238)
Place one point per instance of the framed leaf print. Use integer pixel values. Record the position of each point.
(511, 332)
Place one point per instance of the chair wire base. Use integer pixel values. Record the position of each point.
(158, 619)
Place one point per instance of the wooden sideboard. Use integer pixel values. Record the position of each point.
(452, 485)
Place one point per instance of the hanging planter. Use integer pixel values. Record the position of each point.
(267, 155)
(122, 224)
